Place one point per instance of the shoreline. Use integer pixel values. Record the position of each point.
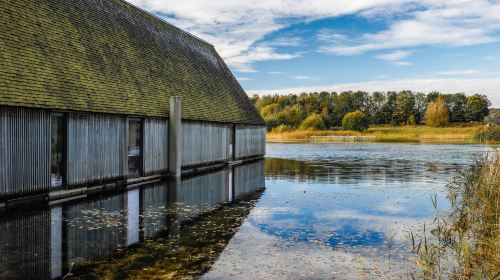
(464, 134)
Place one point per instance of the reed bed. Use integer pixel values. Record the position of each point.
(464, 243)
(463, 133)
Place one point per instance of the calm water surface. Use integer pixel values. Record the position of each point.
(310, 211)
(340, 211)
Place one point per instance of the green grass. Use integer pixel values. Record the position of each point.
(462, 133)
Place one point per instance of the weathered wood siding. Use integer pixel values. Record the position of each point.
(204, 142)
(96, 147)
(24, 151)
(248, 178)
(250, 141)
(155, 145)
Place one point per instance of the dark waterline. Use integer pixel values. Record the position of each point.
(328, 210)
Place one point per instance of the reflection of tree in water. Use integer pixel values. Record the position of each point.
(347, 169)
(186, 250)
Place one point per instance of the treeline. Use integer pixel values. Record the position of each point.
(326, 110)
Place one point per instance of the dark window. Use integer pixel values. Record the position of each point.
(57, 150)
(232, 144)
(134, 147)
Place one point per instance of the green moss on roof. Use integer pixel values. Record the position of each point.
(108, 56)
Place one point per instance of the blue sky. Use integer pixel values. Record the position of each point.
(284, 46)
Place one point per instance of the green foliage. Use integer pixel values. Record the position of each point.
(282, 128)
(271, 122)
(405, 104)
(405, 107)
(476, 107)
(436, 114)
(456, 106)
(313, 122)
(356, 120)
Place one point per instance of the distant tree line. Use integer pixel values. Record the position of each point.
(325, 110)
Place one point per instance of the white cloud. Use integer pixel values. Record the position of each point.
(491, 57)
(396, 57)
(487, 86)
(286, 42)
(302, 77)
(460, 72)
(243, 79)
(442, 23)
(238, 28)
(275, 72)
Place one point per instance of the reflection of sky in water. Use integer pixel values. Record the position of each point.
(343, 204)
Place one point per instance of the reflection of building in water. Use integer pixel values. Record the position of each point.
(248, 178)
(43, 244)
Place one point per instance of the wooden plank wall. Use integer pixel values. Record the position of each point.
(24, 151)
(96, 145)
(250, 141)
(155, 145)
(204, 142)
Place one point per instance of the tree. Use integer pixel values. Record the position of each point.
(357, 120)
(297, 115)
(432, 96)
(436, 114)
(456, 106)
(405, 105)
(254, 98)
(313, 122)
(375, 105)
(420, 106)
(476, 107)
(344, 105)
(389, 107)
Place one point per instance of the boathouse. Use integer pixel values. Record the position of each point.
(98, 93)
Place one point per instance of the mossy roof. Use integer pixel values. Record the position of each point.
(111, 57)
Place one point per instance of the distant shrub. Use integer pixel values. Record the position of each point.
(411, 120)
(488, 134)
(476, 108)
(313, 122)
(282, 128)
(271, 122)
(436, 114)
(357, 120)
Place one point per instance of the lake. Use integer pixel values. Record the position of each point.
(308, 211)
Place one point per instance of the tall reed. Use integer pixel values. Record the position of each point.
(465, 242)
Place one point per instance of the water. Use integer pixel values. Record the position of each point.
(339, 211)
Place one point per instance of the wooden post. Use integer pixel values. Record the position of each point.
(175, 137)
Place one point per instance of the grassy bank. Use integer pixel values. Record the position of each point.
(463, 243)
(454, 134)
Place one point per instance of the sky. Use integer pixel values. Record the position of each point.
(293, 46)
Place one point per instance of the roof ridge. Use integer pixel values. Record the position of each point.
(166, 22)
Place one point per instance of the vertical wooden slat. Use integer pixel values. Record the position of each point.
(24, 138)
(155, 145)
(94, 147)
(204, 142)
(250, 141)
